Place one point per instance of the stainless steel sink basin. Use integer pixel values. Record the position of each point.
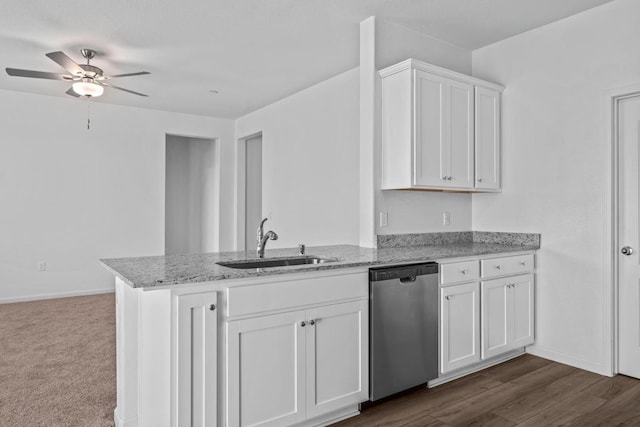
(276, 262)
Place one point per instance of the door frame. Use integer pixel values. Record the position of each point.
(612, 210)
(241, 188)
(215, 141)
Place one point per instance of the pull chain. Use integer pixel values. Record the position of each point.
(88, 113)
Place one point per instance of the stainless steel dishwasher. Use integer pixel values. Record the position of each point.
(403, 328)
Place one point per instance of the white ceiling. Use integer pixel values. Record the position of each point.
(253, 52)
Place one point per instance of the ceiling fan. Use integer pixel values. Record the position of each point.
(88, 80)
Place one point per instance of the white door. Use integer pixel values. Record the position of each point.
(460, 326)
(487, 124)
(265, 368)
(430, 147)
(459, 134)
(337, 357)
(629, 265)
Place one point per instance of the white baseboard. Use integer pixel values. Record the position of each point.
(56, 295)
(570, 360)
(121, 422)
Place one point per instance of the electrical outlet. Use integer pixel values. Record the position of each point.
(42, 266)
(384, 219)
(446, 218)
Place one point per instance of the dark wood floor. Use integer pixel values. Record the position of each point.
(526, 391)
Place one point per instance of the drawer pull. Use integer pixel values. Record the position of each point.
(303, 323)
(463, 271)
(499, 267)
(523, 263)
(448, 297)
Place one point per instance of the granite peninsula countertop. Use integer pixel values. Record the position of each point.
(147, 272)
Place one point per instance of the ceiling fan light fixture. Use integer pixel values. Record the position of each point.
(87, 87)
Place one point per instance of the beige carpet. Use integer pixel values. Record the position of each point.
(57, 362)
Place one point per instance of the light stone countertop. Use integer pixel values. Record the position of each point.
(146, 272)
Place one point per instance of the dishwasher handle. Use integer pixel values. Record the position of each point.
(402, 272)
(408, 279)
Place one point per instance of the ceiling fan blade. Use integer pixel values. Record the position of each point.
(71, 92)
(65, 62)
(141, 73)
(123, 89)
(37, 74)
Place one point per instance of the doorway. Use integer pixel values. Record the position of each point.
(627, 259)
(191, 195)
(249, 202)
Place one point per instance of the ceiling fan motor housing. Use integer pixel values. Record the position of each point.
(91, 71)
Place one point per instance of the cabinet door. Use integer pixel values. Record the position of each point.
(196, 360)
(265, 369)
(459, 134)
(459, 326)
(487, 132)
(522, 322)
(337, 357)
(495, 309)
(507, 314)
(430, 166)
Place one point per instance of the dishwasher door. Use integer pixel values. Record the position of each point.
(403, 328)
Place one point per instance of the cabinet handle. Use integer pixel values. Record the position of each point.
(523, 263)
(511, 285)
(447, 297)
(463, 271)
(312, 322)
(303, 323)
(480, 179)
(444, 178)
(499, 267)
(212, 307)
(449, 178)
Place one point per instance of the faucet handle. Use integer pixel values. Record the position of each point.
(301, 249)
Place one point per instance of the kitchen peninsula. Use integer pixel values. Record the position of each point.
(206, 345)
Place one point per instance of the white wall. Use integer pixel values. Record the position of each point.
(407, 211)
(69, 196)
(191, 195)
(310, 163)
(554, 172)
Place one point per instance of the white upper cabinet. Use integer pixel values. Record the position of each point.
(440, 129)
(487, 133)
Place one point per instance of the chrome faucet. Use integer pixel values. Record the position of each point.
(263, 237)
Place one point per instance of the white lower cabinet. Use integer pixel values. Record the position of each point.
(337, 357)
(486, 309)
(265, 369)
(283, 369)
(196, 401)
(459, 326)
(507, 314)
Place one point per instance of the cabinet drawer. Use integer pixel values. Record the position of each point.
(459, 272)
(495, 267)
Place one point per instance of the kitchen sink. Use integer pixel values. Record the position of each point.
(276, 262)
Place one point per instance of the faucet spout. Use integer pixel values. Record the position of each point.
(263, 237)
